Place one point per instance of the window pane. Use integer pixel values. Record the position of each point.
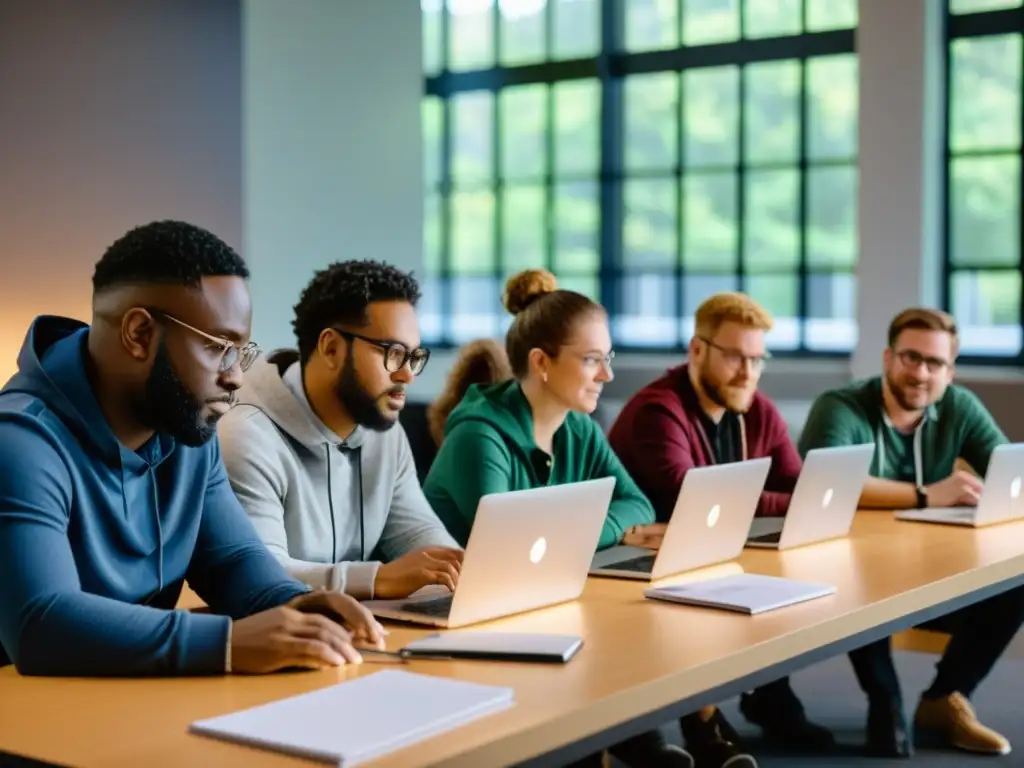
(831, 325)
(476, 308)
(523, 33)
(652, 24)
(588, 285)
(770, 234)
(577, 28)
(577, 106)
(432, 230)
(470, 34)
(576, 222)
(472, 116)
(649, 230)
(832, 217)
(832, 99)
(523, 129)
(779, 294)
(710, 21)
(432, 118)
(773, 111)
(985, 211)
(985, 87)
(773, 18)
(649, 311)
(472, 234)
(432, 10)
(652, 121)
(711, 116)
(709, 223)
(972, 6)
(823, 15)
(987, 310)
(430, 310)
(523, 227)
(697, 288)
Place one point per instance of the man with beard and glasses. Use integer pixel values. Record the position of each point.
(708, 411)
(112, 492)
(921, 424)
(314, 450)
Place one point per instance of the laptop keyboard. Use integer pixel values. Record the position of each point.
(767, 538)
(439, 607)
(642, 564)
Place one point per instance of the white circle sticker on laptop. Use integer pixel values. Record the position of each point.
(713, 516)
(827, 498)
(540, 546)
(1015, 488)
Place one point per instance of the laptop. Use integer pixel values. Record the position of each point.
(709, 524)
(527, 549)
(1000, 498)
(824, 500)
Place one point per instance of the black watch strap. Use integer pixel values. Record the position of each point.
(922, 498)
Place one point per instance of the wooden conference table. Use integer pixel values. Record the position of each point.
(643, 662)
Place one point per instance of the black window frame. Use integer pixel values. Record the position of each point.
(610, 67)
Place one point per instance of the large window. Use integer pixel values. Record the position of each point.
(649, 153)
(984, 177)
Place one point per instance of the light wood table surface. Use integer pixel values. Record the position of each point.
(641, 658)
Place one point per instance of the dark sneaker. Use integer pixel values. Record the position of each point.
(777, 711)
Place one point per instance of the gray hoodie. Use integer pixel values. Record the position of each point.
(322, 505)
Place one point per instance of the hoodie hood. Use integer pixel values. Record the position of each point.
(52, 368)
(274, 386)
(504, 407)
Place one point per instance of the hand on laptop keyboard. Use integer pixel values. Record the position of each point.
(960, 489)
(648, 536)
(417, 569)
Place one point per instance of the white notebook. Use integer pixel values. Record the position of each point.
(362, 719)
(744, 592)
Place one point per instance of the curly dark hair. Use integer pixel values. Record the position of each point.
(168, 253)
(341, 294)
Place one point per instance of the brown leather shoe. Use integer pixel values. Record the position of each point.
(953, 718)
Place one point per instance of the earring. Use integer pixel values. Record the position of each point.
(544, 377)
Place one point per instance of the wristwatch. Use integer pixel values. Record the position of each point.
(922, 497)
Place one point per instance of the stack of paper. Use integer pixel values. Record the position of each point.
(362, 719)
(745, 592)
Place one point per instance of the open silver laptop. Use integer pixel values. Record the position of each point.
(709, 524)
(527, 549)
(1001, 498)
(824, 500)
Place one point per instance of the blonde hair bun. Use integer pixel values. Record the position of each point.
(524, 288)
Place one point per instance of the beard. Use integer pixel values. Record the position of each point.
(726, 395)
(902, 395)
(171, 408)
(360, 405)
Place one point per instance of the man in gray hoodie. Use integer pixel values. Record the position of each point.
(314, 451)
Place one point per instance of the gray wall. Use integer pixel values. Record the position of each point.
(112, 114)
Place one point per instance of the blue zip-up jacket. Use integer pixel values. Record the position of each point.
(96, 539)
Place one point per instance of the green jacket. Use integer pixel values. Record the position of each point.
(489, 448)
(956, 427)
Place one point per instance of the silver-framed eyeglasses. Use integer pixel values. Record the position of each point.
(231, 353)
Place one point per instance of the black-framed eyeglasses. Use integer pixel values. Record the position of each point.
(737, 359)
(912, 359)
(396, 354)
(231, 353)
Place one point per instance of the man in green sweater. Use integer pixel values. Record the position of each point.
(921, 424)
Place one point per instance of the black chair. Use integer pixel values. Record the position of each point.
(417, 429)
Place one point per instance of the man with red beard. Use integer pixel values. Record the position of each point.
(921, 424)
(708, 411)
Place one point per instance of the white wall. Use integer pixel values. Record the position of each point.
(332, 148)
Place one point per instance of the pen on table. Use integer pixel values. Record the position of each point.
(375, 654)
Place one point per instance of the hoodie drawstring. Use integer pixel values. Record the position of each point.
(159, 528)
(330, 500)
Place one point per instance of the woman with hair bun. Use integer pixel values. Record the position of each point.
(534, 430)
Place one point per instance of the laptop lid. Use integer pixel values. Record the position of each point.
(1001, 497)
(529, 549)
(826, 495)
(712, 516)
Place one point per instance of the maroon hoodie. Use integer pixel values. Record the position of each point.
(659, 437)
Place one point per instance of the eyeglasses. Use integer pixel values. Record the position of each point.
(230, 352)
(593, 360)
(396, 355)
(736, 359)
(912, 359)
